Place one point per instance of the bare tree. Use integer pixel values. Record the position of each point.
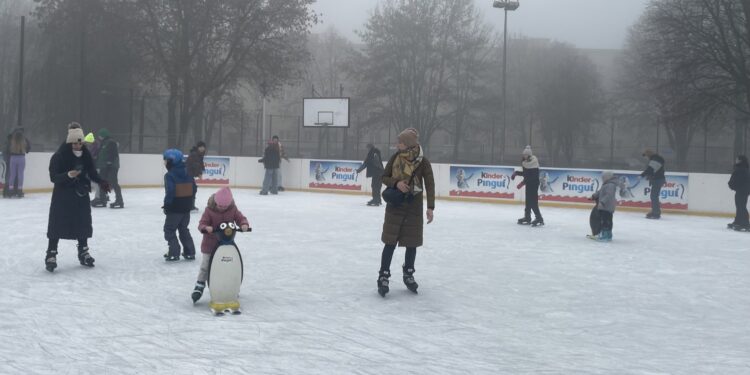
(200, 47)
(656, 80)
(406, 61)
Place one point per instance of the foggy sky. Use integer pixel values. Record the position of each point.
(584, 23)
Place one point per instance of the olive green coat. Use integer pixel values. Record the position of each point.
(403, 224)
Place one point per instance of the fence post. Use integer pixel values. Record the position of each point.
(299, 134)
(242, 129)
(143, 120)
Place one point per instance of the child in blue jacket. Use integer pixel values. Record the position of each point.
(179, 199)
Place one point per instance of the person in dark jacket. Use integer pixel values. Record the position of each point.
(195, 163)
(108, 164)
(374, 165)
(282, 153)
(179, 199)
(740, 183)
(271, 161)
(530, 173)
(71, 169)
(655, 174)
(411, 173)
(18, 147)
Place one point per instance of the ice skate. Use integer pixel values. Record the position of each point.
(50, 261)
(171, 258)
(98, 203)
(84, 257)
(383, 283)
(526, 220)
(188, 256)
(198, 291)
(118, 204)
(538, 222)
(409, 281)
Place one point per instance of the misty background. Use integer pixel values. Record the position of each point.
(589, 83)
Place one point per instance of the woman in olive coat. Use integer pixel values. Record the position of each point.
(411, 173)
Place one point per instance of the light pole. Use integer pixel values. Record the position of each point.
(506, 5)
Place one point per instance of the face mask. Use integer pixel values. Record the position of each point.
(78, 153)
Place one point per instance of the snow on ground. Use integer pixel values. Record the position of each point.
(666, 297)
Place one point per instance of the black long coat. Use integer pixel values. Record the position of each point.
(404, 224)
(70, 208)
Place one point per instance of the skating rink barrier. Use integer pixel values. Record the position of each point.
(693, 193)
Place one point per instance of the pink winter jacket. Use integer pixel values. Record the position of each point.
(213, 217)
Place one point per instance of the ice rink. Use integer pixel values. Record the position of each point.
(666, 297)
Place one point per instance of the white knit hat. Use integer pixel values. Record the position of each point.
(75, 135)
(527, 151)
(607, 175)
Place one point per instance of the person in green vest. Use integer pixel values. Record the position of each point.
(108, 164)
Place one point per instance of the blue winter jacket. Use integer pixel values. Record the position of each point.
(179, 189)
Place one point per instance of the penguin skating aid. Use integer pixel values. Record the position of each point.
(225, 272)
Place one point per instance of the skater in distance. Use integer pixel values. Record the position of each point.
(374, 165)
(530, 174)
(740, 183)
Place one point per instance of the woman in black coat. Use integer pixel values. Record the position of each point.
(71, 169)
(740, 183)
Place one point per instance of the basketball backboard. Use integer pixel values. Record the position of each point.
(325, 112)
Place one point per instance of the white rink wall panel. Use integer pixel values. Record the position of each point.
(708, 193)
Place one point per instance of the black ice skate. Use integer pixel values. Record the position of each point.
(731, 225)
(383, 283)
(409, 280)
(741, 228)
(171, 258)
(50, 261)
(84, 257)
(524, 220)
(188, 256)
(371, 203)
(538, 222)
(98, 203)
(117, 205)
(198, 291)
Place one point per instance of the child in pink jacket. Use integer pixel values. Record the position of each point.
(220, 209)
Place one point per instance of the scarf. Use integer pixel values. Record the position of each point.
(404, 166)
(532, 163)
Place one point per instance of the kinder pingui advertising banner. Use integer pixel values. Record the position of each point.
(635, 191)
(560, 185)
(481, 182)
(217, 171)
(340, 175)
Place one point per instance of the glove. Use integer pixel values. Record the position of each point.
(244, 228)
(260, 160)
(164, 210)
(521, 184)
(515, 173)
(104, 185)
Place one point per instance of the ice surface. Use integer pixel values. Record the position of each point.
(666, 297)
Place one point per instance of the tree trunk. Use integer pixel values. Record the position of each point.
(172, 116)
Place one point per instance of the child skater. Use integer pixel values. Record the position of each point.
(179, 196)
(606, 203)
(220, 209)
